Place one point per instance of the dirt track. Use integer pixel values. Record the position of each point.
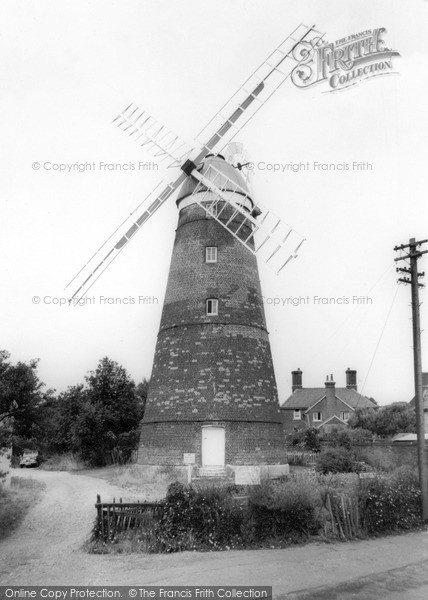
(46, 550)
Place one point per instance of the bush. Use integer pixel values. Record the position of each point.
(305, 439)
(199, 519)
(360, 435)
(379, 458)
(335, 460)
(340, 438)
(347, 484)
(285, 509)
(391, 503)
(295, 439)
(277, 513)
(212, 519)
(312, 439)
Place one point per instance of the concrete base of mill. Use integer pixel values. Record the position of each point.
(254, 475)
(236, 474)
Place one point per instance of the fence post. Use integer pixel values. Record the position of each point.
(330, 510)
(98, 507)
(108, 522)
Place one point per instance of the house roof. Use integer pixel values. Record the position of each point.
(424, 398)
(332, 419)
(407, 437)
(304, 398)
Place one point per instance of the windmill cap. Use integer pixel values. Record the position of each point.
(232, 176)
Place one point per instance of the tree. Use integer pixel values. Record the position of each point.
(306, 439)
(109, 408)
(19, 390)
(386, 421)
(20, 397)
(338, 438)
(311, 438)
(59, 416)
(94, 420)
(335, 460)
(364, 418)
(142, 391)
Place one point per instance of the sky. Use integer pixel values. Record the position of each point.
(68, 68)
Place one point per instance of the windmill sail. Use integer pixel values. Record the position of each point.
(275, 237)
(254, 225)
(164, 144)
(259, 87)
(101, 260)
(242, 106)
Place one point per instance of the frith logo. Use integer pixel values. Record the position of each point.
(346, 62)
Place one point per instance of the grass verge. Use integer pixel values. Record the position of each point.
(63, 462)
(15, 503)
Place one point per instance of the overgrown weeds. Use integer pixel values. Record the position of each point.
(275, 514)
(287, 509)
(391, 503)
(63, 462)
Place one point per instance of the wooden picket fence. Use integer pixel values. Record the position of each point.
(296, 457)
(343, 516)
(113, 517)
(345, 519)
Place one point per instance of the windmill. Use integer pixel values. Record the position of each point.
(213, 399)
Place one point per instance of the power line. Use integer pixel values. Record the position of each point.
(328, 341)
(380, 339)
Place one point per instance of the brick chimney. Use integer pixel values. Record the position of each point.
(330, 397)
(351, 379)
(296, 380)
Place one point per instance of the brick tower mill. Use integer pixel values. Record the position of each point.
(212, 400)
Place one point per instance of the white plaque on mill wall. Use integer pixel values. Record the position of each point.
(189, 459)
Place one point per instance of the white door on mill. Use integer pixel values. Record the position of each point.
(213, 446)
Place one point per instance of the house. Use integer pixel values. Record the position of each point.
(406, 438)
(325, 407)
(424, 400)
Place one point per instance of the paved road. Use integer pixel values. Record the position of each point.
(46, 550)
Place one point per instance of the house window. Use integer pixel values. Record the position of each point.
(297, 414)
(317, 416)
(211, 254)
(212, 307)
(345, 416)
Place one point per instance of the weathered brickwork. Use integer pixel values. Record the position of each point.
(209, 372)
(215, 368)
(246, 443)
(233, 279)
(165, 443)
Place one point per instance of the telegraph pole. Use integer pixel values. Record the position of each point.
(414, 254)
